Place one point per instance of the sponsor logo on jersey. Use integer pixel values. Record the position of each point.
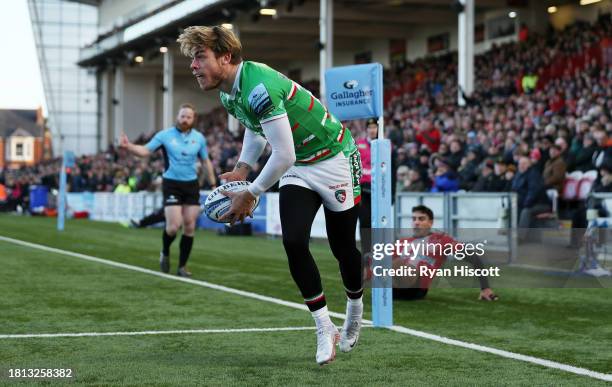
(287, 176)
(355, 164)
(337, 186)
(260, 101)
(340, 195)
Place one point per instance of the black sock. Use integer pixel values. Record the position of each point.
(167, 241)
(354, 295)
(156, 217)
(316, 303)
(186, 244)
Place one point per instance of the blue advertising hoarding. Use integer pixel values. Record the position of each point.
(355, 92)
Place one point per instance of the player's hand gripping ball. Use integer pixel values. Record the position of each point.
(217, 204)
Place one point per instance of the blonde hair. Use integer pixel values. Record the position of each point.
(218, 38)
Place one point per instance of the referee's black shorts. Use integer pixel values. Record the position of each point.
(178, 193)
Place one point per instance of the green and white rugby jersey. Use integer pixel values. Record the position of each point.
(261, 94)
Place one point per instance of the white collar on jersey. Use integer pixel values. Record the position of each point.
(236, 86)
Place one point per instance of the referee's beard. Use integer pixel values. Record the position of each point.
(184, 125)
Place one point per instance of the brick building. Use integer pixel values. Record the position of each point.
(24, 140)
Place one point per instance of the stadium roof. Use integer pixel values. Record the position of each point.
(292, 35)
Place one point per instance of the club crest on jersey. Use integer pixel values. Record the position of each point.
(340, 195)
(260, 101)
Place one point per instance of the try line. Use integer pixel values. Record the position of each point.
(295, 305)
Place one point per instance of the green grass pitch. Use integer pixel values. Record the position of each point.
(45, 292)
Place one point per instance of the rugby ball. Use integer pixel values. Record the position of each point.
(217, 204)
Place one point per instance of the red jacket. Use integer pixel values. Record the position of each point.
(431, 138)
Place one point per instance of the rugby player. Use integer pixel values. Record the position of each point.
(313, 158)
(415, 288)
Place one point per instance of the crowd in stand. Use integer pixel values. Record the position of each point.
(542, 107)
(560, 125)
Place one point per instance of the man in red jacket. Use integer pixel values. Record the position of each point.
(428, 135)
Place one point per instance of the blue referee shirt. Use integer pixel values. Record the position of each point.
(181, 151)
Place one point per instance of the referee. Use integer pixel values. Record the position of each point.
(181, 146)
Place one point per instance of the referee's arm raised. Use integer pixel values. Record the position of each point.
(138, 150)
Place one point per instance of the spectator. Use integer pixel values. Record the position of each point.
(488, 181)
(603, 154)
(445, 180)
(561, 142)
(532, 199)
(403, 180)
(77, 182)
(122, 186)
(529, 81)
(423, 166)
(501, 182)
(554, 170)
(544, 151)
(412, 158)
(428, 135)
(523, 34)
(456, 154)
(579, 217)
(583, 157)
(414, 182)
(3, 197)
(468, 171)
(509, 177)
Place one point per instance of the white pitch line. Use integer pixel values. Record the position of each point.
(295, 305)
(170, 332)
(144, 333)
(506, 354)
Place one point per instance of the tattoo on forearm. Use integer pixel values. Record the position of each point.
(241, 164)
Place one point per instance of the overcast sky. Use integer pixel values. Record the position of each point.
(20, 82)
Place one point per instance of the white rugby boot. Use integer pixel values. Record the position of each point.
(352, 325)
(327, 337)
